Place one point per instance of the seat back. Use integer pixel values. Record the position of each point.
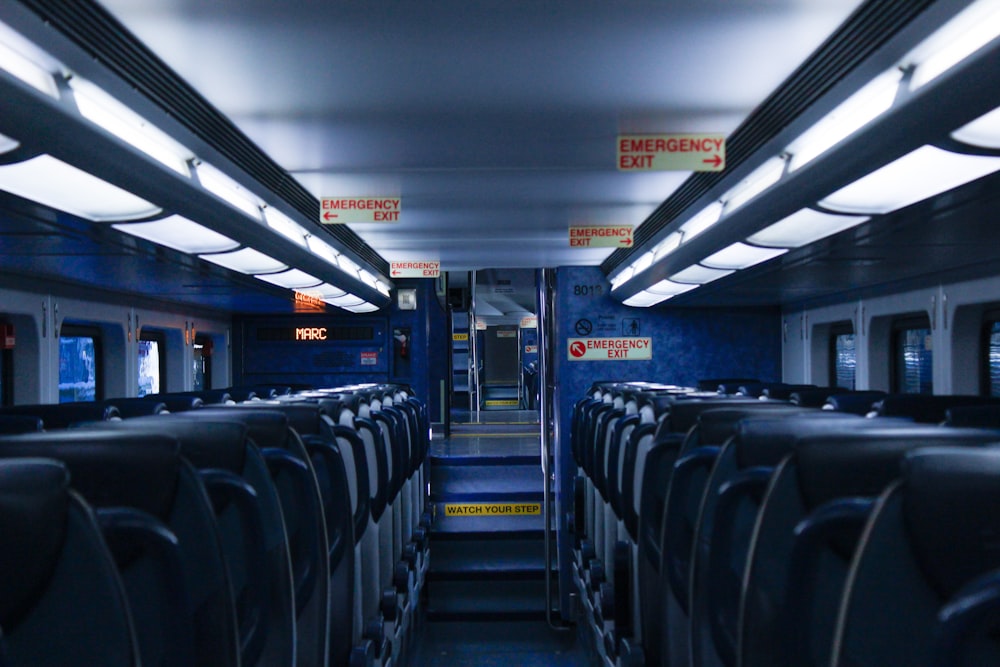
(61, 600)
(929, 535)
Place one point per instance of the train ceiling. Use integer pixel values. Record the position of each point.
(495, 125)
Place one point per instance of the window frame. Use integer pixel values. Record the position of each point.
(160, 338)
(989, 318)
(836, 330)
(919, 321)
(74, 330)
(205, 341)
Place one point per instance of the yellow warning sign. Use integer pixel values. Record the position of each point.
(459, 337)
(501, 403)
(491, 509)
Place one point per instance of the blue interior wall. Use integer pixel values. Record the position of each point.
(339, 362)
(687, 344)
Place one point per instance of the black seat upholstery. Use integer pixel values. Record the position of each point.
(64, 415)
(927, 408)
(171, 512)
(929, 537)
(61, 600)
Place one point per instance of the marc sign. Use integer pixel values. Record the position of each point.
(610, 349)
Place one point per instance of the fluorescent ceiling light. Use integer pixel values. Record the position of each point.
(228, 190)
(644, 300)
(105, 111)
(741, 256)
(705, 218)
(325, 291)
(180, 234)
(667, 245)
(916, 176)
(285, 226)
(54, 183)
(759, 180)
(346, 301)
(292, 279)
(622, 277)
(967, 32)
(983, 132)
(864, 106)
(644, 262)
(348, 266)
(804, 227)
(670, 288)
(323, 249)
(699, 275)
(363, 308)
(247, 261)
(382, 288)
(23, 60)
(7, 144)
(368, 279)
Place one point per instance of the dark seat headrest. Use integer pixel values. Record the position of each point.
(783, 392)
(951, 510)
(812, 398)
(12, 424)
(855, 402)
(763, 440)
(110, 466)
(976, 416)
(925, 407)
(136, 407)
(714, 384)
(863, 462)
(266, 427)
(64, 415)
(684, 413)
(715, 426)
(34, 498)
(176, 403)
(205, 443)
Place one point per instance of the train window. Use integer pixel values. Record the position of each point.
(913, 356)
(152, 362)
(991, 356)
(843, 355)
(79, 364)
(202, 363)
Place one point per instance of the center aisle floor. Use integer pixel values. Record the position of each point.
(485, 595)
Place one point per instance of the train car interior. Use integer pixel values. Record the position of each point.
(644, 333)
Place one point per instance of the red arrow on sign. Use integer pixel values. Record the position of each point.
(328, 215)
(627, 242)
(395, 273)
(714, 161)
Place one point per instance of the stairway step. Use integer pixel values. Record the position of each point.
(486, 527)
(523, 559)
(515, 599)
(468, 481)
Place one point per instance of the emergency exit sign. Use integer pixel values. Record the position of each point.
(671, 152)
(338, 210)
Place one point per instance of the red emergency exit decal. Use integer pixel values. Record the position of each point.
(415, 269)
(337, 210)
(369, 358)
(610, 349)
(671, 152)
(600, 236)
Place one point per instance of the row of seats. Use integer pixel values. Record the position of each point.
(284, 531)
(712, 528)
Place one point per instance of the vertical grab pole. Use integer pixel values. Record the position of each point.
(545, 415)
(473, 344)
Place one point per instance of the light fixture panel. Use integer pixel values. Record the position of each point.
(180, 234)
(741, 256)
(54, 183)
(983, 132)
(919, 175)
(700, 275)
(292, 279)
(246, 260)
(804, 227)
